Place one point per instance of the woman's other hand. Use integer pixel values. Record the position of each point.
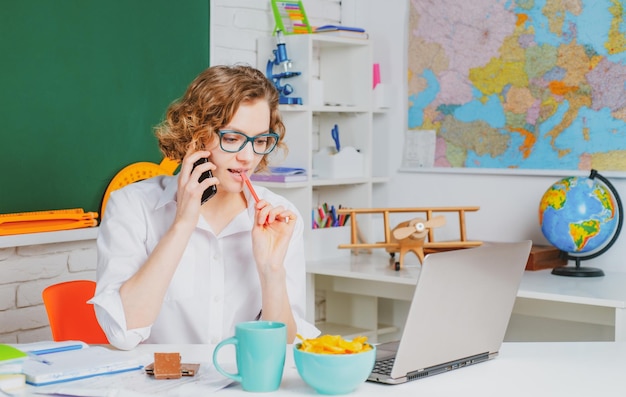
(271, 233)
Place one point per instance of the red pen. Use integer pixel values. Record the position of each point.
(244, 176)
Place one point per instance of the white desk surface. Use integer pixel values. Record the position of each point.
(522, 369)
(374, 267)
(607, 291)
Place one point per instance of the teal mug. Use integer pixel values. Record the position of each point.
(260, 348)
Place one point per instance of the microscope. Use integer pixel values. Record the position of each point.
(284, 63)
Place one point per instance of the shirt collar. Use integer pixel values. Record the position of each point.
(169, 193)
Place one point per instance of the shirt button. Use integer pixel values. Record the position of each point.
(216, 298)
(214, 341)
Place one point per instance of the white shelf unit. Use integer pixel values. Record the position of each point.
(344, 68)
(52, 237)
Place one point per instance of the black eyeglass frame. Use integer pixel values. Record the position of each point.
(270, 134)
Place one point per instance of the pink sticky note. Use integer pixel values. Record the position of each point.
(376, 75)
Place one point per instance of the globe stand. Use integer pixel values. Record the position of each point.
(579, 271)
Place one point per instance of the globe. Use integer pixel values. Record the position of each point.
(582, 217)
(577, 215)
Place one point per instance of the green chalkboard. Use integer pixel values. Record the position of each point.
(82, 85)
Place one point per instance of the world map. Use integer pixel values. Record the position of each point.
(524, 84)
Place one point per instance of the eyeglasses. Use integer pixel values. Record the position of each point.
(232, 141)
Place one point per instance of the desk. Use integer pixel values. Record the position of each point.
(548, 307)
(569, 369)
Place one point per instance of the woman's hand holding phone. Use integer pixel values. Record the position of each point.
(190, 190)
(211, 190)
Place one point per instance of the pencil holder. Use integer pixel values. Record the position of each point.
(324, 241)
(347, 163)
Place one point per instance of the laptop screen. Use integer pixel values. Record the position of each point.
(460, 309)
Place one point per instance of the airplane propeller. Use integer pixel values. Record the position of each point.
(418, 227)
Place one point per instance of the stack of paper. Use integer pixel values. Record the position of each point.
(11, 366)
(11, 382)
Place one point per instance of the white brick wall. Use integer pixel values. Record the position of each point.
(25, 271)
(236, 24)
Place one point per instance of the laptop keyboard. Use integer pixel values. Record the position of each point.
(384, 367)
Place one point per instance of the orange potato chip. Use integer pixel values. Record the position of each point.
(334, 344)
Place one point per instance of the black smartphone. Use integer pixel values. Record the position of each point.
(211, 190)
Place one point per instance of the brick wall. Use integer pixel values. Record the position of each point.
(236, 24)
(26, 270)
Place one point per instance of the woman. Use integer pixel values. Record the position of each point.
(174, 270)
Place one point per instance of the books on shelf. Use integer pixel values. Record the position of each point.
(343, 31)
(281, 174)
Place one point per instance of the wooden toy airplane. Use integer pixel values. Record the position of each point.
(415, 235)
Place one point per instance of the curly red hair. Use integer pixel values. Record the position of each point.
(210, 102)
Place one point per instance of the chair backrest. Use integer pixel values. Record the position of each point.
(137, 172)
(69, 314)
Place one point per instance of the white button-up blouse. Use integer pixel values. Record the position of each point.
(216, 284)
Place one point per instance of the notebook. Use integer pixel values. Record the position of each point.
(459, 313)
(73, 364)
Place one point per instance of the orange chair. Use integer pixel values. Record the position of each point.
(69, 314)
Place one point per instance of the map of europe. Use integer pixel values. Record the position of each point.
(520, 84)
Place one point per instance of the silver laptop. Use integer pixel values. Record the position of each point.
(459, 314)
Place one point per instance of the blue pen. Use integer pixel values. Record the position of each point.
(335, 134)
(37, 358)
(56, 349)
